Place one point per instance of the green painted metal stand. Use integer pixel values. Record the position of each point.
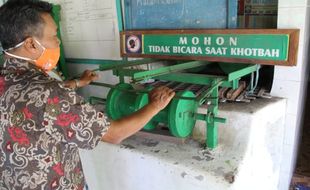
(181, 114)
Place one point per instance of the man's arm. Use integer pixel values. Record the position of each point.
(122, 128)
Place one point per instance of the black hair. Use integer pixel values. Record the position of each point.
(20, 19)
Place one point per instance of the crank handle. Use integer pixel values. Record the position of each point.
(209, 118)
(219, 119)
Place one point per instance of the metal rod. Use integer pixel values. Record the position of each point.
(140, 91)
(200, 116)
(108, 64)
(201, 99)
(166, 70)
(220, 120)
(203, 89)
(79, 75)
(194, 78)
(178, 86)
(242, 72)
(169, 84)
(189, 87)
(92, 61)
(93, 99)
(120, 18)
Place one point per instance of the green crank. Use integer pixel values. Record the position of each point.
(179, 115)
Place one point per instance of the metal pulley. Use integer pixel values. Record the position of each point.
(179, 115)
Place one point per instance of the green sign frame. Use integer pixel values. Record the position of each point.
(259, 46)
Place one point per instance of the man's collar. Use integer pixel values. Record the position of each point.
(15, 65)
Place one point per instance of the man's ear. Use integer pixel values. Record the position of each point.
(31, 46)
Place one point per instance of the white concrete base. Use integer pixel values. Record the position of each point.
(248, 156)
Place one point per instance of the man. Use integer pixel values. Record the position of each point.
(43, 123)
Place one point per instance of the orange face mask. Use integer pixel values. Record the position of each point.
(47, 61)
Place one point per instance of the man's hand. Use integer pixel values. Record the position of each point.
(124, 127)
(87, 77)
(160, 97)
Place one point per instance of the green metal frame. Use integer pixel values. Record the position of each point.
(169, 73)
(144, 75)
(172, 73)
(120, 17)
(62, 61)
(176, 73)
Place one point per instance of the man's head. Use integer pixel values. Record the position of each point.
(27, 22)
(20, 19)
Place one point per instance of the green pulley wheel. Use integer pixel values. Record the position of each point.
(120, 102)
(141, 101)
(181, 114)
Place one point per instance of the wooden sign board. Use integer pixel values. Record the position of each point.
(258, 46)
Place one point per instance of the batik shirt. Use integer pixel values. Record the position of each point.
(41, 128)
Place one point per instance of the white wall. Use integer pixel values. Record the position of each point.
(291, 83)
(94, 38)
(89, 29)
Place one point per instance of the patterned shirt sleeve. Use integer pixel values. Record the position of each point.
(70, 120)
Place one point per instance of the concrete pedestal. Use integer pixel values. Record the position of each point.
(248, 155)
